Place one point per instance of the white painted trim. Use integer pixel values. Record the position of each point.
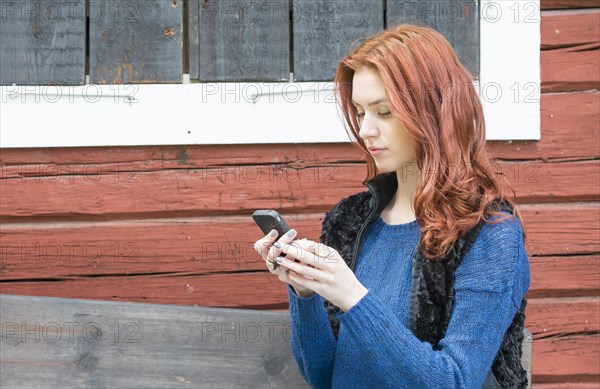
(95, 115)
(285, 112)
(510, 83)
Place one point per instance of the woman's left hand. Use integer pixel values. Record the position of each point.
(326, 274)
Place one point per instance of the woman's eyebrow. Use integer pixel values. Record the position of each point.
(373, 102)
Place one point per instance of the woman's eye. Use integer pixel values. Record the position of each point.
(384, 114)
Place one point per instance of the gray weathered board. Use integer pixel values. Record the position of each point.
(49, 342)
(239, 40)
(325, 31)
(457, 20)
(136, 41)
(71, 343)
(42, 42)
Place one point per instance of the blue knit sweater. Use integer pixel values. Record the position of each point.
(375, 348)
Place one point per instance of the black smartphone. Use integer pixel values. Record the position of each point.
(268, 219)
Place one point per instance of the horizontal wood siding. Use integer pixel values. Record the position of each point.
(171, 224)
(126, 193)
(567, 354)
(569, 4)
(561, 29)
(180, 246)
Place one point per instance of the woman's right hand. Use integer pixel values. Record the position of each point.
(268, 252)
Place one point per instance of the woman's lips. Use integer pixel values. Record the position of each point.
(375, 151)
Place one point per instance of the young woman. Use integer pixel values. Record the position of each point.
(418, 282)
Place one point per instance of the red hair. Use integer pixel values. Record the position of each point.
(433, 96)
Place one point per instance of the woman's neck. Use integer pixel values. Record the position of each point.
(399, 210)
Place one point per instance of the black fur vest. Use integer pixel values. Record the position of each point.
(432, 290)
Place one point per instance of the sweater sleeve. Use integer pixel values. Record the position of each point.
(312, 341)
(492, 280)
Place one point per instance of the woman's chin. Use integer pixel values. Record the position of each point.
(381, 168)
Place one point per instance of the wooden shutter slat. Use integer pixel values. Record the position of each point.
(43, 42)
(244, 40)
(325, 31)
(457, 20)
(136, 41)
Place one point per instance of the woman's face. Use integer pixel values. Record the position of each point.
(383, 134)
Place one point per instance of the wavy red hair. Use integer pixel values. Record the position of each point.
(433, 96)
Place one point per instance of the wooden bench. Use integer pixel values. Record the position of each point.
(62, 343)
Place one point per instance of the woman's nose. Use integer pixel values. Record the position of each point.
(368, 127)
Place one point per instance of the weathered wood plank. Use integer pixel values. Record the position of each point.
(243, 40)
(539, 182)
(543, 223)
(559, 316)
(571, 68)
(95, 322)
(73, 160)
(254, 290)
(216, 191)
(162, 247)
(77, 343)
(43, 42)
(324, 32)
(196, 246)
(567, 385)
(561, 29)
(534, 181)
(563, 4)
(136, 41)
(232, 189)
(566, 359)
(193, 37)
(571, 276)
(202, 246)
(207, 245)
(457, 20)
(570, 124)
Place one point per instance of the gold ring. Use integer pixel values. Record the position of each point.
(272, 265)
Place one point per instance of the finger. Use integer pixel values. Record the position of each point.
(307, 283)
(273, 267)
(287, 238)
(262, 245)
(303, 270)
(273, 253)
(294, 278)
(295, 251)
(329, 254)
(284, 275)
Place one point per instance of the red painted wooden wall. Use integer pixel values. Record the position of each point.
(172, 224)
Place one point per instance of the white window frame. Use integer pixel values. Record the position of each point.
(282, 112)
